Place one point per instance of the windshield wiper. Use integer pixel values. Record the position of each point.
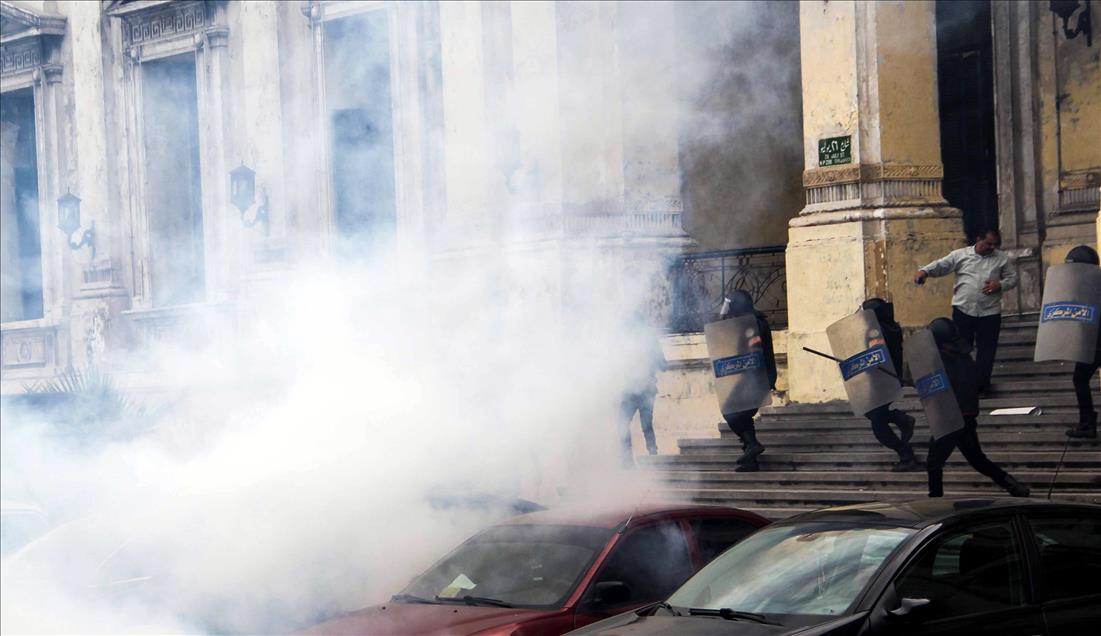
(409, 598)
(730, 614)
(667, 607)
(474, 600)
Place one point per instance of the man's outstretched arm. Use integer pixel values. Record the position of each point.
(937, 268)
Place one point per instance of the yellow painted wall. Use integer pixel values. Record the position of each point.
(1079, 74)
(828, 60)
(906, 74)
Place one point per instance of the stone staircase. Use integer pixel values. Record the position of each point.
(822, 455)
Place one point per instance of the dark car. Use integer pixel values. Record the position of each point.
(934, 566)
(553, 571)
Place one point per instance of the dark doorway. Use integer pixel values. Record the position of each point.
(965, 76)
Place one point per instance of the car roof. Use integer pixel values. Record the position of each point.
(615, 515)
(919, 513)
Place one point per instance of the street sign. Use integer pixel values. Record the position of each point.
(835, 151)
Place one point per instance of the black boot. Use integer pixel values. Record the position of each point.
(907, 462)
(936, 482)
(1087, 427)
(1015, 488)
(748, 467)
(751, 448)
(905, 423)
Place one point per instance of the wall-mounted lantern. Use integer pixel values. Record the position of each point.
(1065, 9)
(68, 221)
(242, 194)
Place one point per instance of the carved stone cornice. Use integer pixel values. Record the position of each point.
(25, 55)
(872, 185)
(17, 23)
(817, 177)
(150, 23)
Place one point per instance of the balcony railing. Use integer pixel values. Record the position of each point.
(701, 281)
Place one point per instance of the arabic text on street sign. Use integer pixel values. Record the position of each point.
(835, 151)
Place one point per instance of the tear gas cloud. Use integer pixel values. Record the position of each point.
(283, 462)
(294, 477)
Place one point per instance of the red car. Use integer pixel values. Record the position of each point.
(553, 571)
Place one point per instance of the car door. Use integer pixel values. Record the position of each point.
(651, 561)
(1067, 550)
(974, 581)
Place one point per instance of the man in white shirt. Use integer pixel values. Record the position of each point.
(983, 272)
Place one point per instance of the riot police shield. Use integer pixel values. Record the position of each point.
(942, 411)
(1069, 318)
(738, 362)
(866, 367)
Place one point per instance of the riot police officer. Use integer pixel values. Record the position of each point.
(1084, 371)
(962, 376)
(758, 340)
(881, 417)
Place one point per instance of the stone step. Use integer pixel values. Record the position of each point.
(1017, 338)
(819, 498)
(791, 442)
(956, 474)
(1045, 422)
(880, 459)
(989, 437)
(1057, 402)
(1022, 369)
(1024, 386)
(867, 443)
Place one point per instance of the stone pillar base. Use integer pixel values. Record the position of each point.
(833, 267)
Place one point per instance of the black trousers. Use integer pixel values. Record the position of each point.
(982, 334)
(740, 422)
(967, 439)
(1083, 373)
(881, 417)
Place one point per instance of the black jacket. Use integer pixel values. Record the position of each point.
(892, 335)
(766, 344)
(962, 374)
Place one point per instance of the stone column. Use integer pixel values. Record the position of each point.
(95, 328)
(466, 130)
(874, 212)
(263, 123)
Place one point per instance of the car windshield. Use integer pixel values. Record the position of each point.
(522, 565)
(802, 569)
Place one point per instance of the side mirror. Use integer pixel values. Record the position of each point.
(611, 593)
(908, 607)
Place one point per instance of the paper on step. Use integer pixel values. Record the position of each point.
(1019, 410)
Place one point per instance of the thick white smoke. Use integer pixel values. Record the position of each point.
(292, 471)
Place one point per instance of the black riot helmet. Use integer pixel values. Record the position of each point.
(944, 331)
(740, 302)
(1082, 254)
(884, 311)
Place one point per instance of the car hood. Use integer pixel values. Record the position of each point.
(631, 624)
(422, 618)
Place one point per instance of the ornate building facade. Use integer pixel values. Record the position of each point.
(817, 152)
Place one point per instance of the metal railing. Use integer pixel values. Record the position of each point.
(701, 280)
